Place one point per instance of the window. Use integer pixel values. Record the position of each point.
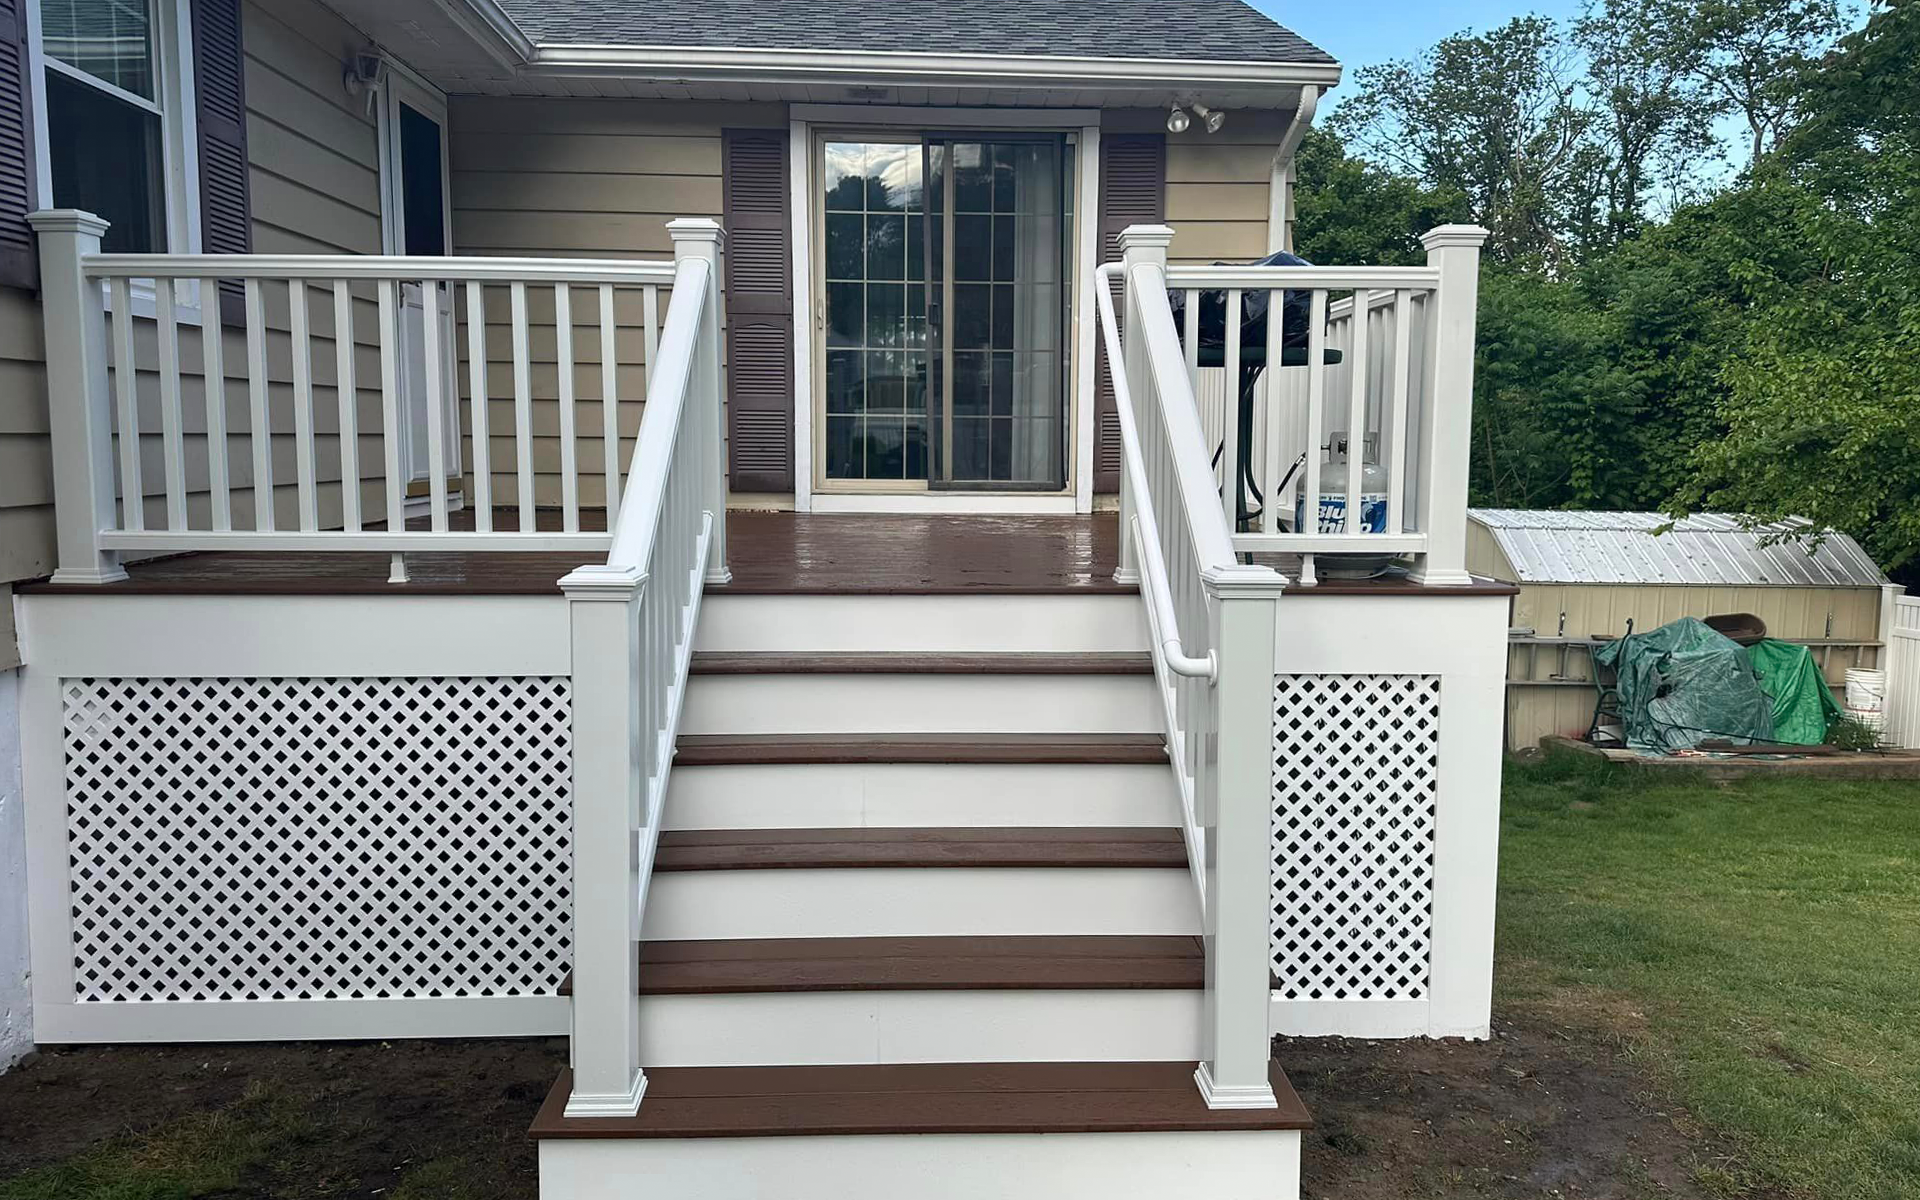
(105, 116)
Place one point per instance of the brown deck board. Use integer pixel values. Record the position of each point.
(765, 662)
(748, 749)
(769, 849)
(886, 964)
(689, 1102)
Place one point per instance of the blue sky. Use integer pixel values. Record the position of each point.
(1358, 32)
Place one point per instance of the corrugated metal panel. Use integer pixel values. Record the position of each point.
(1545, 546)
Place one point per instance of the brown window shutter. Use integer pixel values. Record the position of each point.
(19, 263)
(220, 113)
(1133, 191)
(759, 257)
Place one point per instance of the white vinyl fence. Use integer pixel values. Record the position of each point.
(1903, 673)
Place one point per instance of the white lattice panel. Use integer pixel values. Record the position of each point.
(256, 839)
(1354, 771)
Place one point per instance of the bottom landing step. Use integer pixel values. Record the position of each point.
(944, 1132)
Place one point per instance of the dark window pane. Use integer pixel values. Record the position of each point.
(917, 315)
(1002, 384)
(886, 382)
(972, 248)
(973, 316)
(1003, 238)
(105, 158)
(1003, 316)
(916, 449)
(110, 40)
(916, 382)
(972, 178)
(970, 384)
(886, 448)
(844, 235)
(1000, 461)
(886, 247)
(843, 452)
(845, 319)
(916, 248)
(1004, 157)
(970, 447)
(846, 389)
(422, 205)
(886, 314)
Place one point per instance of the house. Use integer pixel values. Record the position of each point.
(695, 526)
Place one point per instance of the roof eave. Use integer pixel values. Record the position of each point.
(691, 63)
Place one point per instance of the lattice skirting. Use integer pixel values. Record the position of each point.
(317, 839)
(1355, 771)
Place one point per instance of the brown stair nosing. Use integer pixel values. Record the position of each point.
(1034, 749)
(886, 662)
(770, 849)
(1090, 962)
(962, 1098)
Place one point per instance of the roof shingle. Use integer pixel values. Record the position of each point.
(1188, 30)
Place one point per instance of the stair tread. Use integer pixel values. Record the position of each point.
(745, 749)
(891, 662)
(978, 1098)
(885, 964)
(763, 849)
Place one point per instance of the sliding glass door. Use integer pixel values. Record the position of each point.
(944, 301)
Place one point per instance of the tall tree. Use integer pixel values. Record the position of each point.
(1348, 210)
(1751, 57)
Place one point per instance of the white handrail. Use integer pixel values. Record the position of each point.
(1144, 529)
(637, 523)
(408, 268)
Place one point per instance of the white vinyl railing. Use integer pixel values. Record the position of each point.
(633, 620)
(1374, 408)
(134, 363)
(1212, 625)
(1902, 661)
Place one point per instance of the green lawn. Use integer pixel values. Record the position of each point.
(1756, 945)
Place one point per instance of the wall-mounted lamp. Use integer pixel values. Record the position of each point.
(1177, 120)
(1213, 118)
(364, 74)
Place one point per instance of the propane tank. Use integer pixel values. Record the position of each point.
(1372, 516)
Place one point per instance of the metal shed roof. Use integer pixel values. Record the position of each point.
(1707, 549)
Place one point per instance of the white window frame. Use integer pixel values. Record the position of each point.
(175, 97)
(402, 85)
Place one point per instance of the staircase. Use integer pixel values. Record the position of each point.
(920, 895)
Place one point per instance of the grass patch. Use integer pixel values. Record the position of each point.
(1755, 943)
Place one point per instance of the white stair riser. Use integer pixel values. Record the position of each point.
(919, 795)
(864, 704)
(836, 1028)
(924, 623)
(1230, 1165)
(919, 902)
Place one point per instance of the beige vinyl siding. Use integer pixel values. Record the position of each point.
(1219, 185)
(1538, 707)
(26, 466)
(578, 179)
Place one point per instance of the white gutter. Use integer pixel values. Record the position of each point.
(684, 63)
(1278, 185)
(491, 29)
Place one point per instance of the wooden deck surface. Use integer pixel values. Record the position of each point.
(770, 553)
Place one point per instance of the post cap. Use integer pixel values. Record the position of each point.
(694, 229)
(603, 581)
(1146, 236)
(1444, 236)
(68, 220)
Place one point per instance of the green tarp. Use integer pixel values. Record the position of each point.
(1803, 704)
(1684, 683)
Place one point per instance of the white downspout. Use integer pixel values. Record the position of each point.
(1279, 183)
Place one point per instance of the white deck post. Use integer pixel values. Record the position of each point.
(1138, 244)
(1446, 417)
(74, 311)
(1234, 1029)
(603, 609)
(701, 237)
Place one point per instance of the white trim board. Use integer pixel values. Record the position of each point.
(288, 1020)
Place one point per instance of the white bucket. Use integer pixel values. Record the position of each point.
(1873, 718)
(1866, 689)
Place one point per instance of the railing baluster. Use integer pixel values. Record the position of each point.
(213, 372)
(389, 301)
(260, 427)
(436, 404)
(522, 406)
(302, 348)
(1273, 469)
(173, 445)
(1230, 415)
(478, 422)
(1309, 519)
(126, 390)
(1357, 413)
(1190, 338)
(348, 396)
(1396, 449)
(563, 355)
(609, 400)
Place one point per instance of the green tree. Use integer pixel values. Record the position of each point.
(1349, 211)
(1751, 57)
